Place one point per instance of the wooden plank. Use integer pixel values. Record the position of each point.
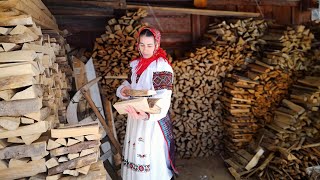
(39, 115)
(12, 82)
(79, 73)
(197, 11)
(16, 20)
(254, 161)
(39, 127)
(32, 168)
(22, 151)
(16, 69)
(74, 148)
(34, 91)
(75, 163)
(18, 56)
(10, 123)
(20, 107)
(71, 132)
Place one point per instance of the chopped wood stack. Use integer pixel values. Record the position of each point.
(290, 140)
(238, 101)
(35, 9)
(250, 99)
(238, 40)
(195, 105)
(114, 50)
(32, 90)
(73, 149)
(287, 48)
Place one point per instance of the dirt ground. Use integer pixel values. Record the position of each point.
(211, 168)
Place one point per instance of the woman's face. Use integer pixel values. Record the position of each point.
(147, 46)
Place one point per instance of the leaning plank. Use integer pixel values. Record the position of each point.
(13, 82)
(16, 20)
(75, 163)
(18, 69)
(18, 56)
(71, 132)
(39, 127)
(10, 123)
(20, 107)
(74, 148)
(21, 151)
(33, 91)
(32, 168)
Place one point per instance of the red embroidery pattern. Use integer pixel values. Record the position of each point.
(136, 167)
(162, 80)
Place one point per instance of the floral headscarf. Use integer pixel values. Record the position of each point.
(158, 52)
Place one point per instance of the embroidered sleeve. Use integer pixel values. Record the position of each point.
(162, 80)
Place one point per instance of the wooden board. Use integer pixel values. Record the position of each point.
(18, 56)
(18, 69)
(74, 148)
(13, 82)
(34, 91)
(31, 169)
(22, 151)
(75, 163)
(39, 127)
(71, 132)
(16, 20)
(20, 107)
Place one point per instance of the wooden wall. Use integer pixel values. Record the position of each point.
(179, 31)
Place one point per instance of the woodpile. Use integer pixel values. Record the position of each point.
(114, 50)
(238, 101)
(33, 92)
(287, 48)
(74, 149)
(195, 105)
(289, 142)
(238, 40)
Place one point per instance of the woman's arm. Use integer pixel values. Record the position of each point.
(120, 90)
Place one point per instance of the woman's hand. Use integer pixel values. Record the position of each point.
(125, 91)
(137, 115)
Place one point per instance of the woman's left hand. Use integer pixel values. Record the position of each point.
(137, 115)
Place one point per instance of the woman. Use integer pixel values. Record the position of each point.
(148, 152)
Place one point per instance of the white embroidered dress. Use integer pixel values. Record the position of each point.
(145, 153)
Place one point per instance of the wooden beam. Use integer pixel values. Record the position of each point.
(20, 107)
(74, 148)
(204, 12)
(22, 151)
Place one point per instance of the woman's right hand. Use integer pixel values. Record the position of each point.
(125, 91)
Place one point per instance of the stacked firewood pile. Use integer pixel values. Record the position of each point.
(238, 99)
(114, 50)
(33, 94)
(196, 107)
(74, 149)
(289, 142)
(238, 40)
(249, 99)
(287, 48)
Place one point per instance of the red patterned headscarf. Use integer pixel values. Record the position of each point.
(158, 52)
